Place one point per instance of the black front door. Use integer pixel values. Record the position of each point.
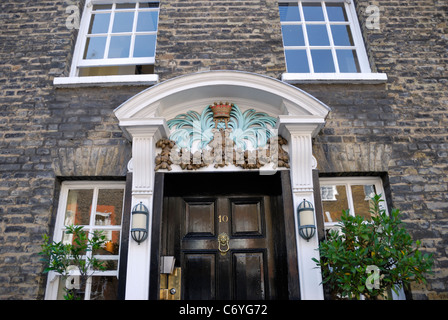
(243, 210)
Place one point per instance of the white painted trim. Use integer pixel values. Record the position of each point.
(189, 88)
(365, 78)
(106, 81)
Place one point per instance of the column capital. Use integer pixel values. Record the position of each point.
(154, 127)
(299, 125)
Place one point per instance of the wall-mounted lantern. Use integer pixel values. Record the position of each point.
(140, 221)
(307, 227)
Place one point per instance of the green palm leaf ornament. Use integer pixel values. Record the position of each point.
(246, 127)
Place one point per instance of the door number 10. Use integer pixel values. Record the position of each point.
(223, 218)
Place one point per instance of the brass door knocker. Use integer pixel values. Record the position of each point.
(223, 243)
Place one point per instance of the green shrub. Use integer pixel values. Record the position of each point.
(349, 255)
(62, 258)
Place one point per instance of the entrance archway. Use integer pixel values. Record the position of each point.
(144, 117)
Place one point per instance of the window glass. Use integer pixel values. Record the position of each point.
(125, 5)
(123, 22)
(361, 199)
(322, 61)
(78, 207)
(297, 61)
(112, 245)
(99, 7)
(318, 35)
(147, 21)
(104, 288)
(293, 35)
(342, 35)
(99, 23)
(312, 12)
(119, 40)
(145, 46)
(97, 207)
(333, 208)
(336, 12)
(348, 62)
(349, 193)
(95, 47)
(289, 12)
(148, 4)
(109, 207)
(325, 32)
(106, 71)
(119, 46)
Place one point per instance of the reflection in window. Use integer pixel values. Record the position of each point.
(349, 193)
(333, 208)
(96, 207)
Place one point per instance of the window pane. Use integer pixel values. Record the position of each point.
(99, 7)
(322, 61)
(123, 22)
(119, 47)
(106, 71)
(289, 12)
(125, 5)
(293, 35)
(348, 61)
(361, 199)
(62, 286)
(79, 203)
(336, 12)
(68, 238)
(104, 288)
(333, 208)
(342, 35)
(147, 21)
(317, 35)
(313, 12)
(112, 245)
(297, 61)
(95, 48)
(109, 207)
(145, 46)
(99, 23)
(149, 5)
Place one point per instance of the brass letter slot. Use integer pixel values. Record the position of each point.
(170, 285)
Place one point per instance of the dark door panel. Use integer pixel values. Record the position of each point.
(251, 212)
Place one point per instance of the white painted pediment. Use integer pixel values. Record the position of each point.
(196, 91)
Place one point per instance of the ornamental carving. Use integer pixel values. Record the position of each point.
(221, 135)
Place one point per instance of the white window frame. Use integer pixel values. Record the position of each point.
(77, 62)
(351, 181)
(364, 76)
(52, 288)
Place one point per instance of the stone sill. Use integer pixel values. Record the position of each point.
(106, 81)
(328, 78)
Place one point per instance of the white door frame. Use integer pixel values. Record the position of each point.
(143, 120)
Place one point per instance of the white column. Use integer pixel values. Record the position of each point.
(299, 134)
(144, 138)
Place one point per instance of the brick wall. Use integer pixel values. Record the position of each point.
(219, 35)
(398, 128)
(45, 134)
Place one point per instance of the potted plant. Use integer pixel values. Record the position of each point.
(72, 261)
(368, 258)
